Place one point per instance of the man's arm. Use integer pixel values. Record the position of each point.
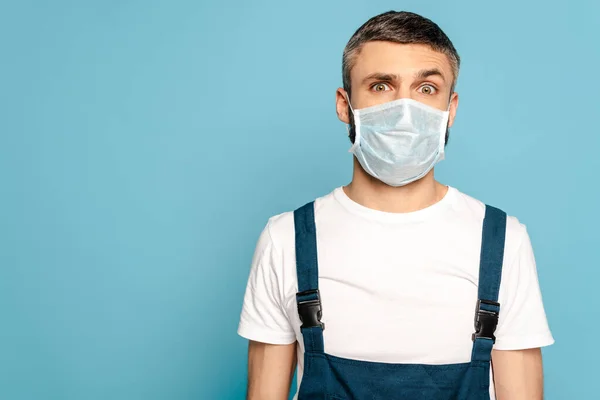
(518, 374)
(270, 370)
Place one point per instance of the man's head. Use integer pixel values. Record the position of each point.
(398, 55)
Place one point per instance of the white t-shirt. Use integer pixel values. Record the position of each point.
(395, 287)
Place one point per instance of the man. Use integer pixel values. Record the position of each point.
(374, 288)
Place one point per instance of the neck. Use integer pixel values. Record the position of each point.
(372, 193)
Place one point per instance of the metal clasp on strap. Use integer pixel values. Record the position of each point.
(310, 310)
(486, 321)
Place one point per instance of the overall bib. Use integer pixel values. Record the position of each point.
(329, 377)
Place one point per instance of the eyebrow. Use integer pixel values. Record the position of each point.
(426, 73)
(381, 76)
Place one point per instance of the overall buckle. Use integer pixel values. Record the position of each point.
(310, 310)
(485, 321)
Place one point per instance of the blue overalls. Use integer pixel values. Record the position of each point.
(328, 377)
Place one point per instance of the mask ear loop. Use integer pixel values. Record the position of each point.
(349, 104)
(443, 136)
(356, 126)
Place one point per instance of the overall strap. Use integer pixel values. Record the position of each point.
(307, 269)
(490, 273)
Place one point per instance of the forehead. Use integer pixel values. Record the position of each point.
(397, 58)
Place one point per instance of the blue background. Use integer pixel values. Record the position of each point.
(144, 144)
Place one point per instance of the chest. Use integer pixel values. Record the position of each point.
(398, 295)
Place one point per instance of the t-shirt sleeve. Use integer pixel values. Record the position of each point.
(263, 317)
(522, 323)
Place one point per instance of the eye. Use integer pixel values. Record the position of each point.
(380, 87)
(427, 89)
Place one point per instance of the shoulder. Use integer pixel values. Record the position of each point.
(473, 209)
(276, 252)
(281, 227)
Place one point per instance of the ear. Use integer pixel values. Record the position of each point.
(341, 106)
(453, 108)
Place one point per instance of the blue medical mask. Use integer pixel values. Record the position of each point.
(399, 142)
